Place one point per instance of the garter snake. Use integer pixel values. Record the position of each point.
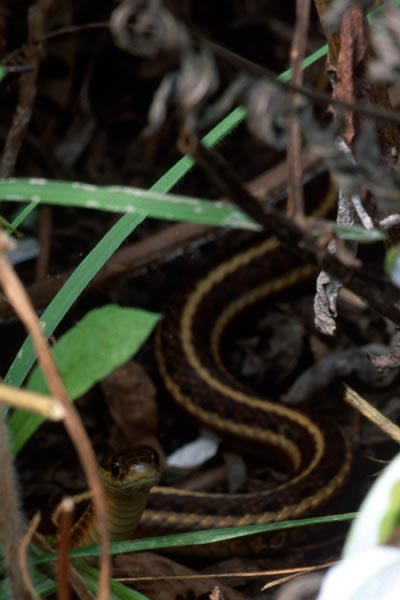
(188, 348)
(127, 477)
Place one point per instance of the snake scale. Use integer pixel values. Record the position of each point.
(188, 349)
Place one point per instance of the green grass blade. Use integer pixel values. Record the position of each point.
(121, 199)
(45, 586)
(68, 294)
(202, 537)
(24, 212)
(118, 591)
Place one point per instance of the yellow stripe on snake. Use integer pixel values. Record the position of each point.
(188, 351)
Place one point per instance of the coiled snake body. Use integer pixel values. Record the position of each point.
(189, 357)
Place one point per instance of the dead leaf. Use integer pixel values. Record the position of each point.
(131, 400)
(350, 68)
(147, 564)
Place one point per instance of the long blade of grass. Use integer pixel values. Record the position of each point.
(206, 536)
(118, 591)
(122, 199)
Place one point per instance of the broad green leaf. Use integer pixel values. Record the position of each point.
(68, 294)
(104, 339)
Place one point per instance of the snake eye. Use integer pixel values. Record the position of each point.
(115, 469)
(156, 458)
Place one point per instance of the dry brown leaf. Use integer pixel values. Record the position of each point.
(351, 81)
(148, 564)
(131, 400)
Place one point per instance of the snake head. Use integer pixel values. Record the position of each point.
(131, 468)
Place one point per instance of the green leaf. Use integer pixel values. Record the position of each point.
(122, 199)
(45, 586)
(104, 339)
(206, 536)
(392, 264)
(379, 513)
(391, 519)
(23, 214)
(118, 591)
(358, 234)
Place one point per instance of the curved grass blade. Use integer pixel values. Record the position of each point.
(206, 536)
(122, 199)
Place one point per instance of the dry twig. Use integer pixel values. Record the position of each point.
(50, 408)
(37, 15)
(23, 554)
(11, 520)
(297, 53)
(64, 544)
(372, 414)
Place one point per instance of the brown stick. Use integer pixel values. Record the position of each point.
(11, 520)
(77, 582)
(297, 53)
(23, 554)
(64, 544)
(353, 84)
(44, 240)
(37, 14)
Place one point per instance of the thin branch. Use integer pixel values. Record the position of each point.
(372, 414)
(297, 53)
(23, 554)
(319, 98)
(242, 574)
(11, 520)
(380, 294)
(77, 582)
(42, 405)
(64, 544)
(27, 88)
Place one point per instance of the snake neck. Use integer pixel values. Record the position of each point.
(123, 515)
